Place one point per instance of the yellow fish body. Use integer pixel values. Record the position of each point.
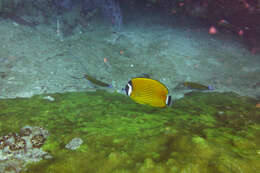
(148, 91)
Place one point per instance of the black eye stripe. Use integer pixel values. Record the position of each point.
(130, 83)
(126, 89)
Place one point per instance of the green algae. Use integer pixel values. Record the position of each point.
(203, 132)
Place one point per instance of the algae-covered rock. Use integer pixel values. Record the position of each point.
(122, 136)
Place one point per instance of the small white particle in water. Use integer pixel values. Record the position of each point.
(49, 98)
(37, 88)
(220, 112)
(131, 65)
(15, 24)
(11, 78)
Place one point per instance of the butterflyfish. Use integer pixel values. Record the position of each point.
(148, 91)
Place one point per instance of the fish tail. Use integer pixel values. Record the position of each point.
(210, 87)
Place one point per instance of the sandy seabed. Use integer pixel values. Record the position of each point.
(38, 60)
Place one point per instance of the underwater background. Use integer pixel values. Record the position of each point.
(66, 67)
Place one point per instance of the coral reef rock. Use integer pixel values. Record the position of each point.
(18, 149)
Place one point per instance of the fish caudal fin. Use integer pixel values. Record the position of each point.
(210, 87)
